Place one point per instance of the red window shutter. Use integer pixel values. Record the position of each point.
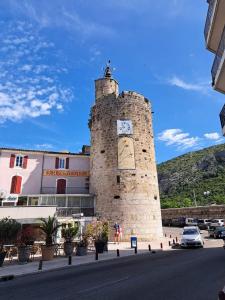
(13, 185)
(25, 159)
(67, 163)
(56, 162)
(18, 184)
(12, 160)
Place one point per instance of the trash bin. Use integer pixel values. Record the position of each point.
(133, 241)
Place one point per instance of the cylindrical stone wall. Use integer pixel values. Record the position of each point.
(124, 182)
(106, 86)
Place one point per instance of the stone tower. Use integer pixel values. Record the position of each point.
(123, 175)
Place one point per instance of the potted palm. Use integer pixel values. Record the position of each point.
(69, 234)
(25, 242)
(9, 229)
(49, 227)
(98, 230)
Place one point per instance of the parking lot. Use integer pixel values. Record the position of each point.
(208, 242)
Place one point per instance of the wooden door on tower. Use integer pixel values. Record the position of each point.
(61, 186)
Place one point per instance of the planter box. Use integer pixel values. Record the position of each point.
(99, 246)
(81, 251)
(47, 252)
(24, 254)
(68, 248)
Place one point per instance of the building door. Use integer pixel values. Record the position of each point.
(61, 186)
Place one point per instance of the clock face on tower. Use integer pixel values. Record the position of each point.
(124, 127)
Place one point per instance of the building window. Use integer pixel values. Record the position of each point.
(61, 163)
(16, 185)
(19, 161)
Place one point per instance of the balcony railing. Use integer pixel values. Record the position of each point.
(209, 18)
(218, 57)
(68, 190)
(64, 212)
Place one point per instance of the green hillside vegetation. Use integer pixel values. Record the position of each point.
(193, 173)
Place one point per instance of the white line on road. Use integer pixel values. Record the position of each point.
(104, 285)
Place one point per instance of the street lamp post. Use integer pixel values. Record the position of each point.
(206, 194)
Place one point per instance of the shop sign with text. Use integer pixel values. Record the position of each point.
(69, 173)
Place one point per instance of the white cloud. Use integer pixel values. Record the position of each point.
(62, 15)
(43, 146)
(202, 87)
(29, 86)
(212, 136)
(178, 138)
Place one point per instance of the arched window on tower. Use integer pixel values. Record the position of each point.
(16, 184)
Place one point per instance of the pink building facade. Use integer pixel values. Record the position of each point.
(36, 178)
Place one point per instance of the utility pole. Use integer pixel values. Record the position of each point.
(194, 198)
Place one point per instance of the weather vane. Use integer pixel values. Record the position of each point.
(108, 71)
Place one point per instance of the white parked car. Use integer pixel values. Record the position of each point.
(191, 237)
(217, 222)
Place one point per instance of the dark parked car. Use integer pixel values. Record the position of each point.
(216, 232)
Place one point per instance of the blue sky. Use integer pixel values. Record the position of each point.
(51, 52)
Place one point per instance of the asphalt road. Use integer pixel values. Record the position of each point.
(196, 274)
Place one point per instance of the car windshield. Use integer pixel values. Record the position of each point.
(190, 231)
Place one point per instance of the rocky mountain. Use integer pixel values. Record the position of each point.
(194, 177)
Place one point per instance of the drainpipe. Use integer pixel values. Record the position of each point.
(42, 172)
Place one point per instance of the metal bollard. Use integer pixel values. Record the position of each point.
(135, 250)
(149, 247)
(40, 265)
(173, 241)
(118, 252)
(161, 246)
(96, 255)
(70, 260)
(169, 243)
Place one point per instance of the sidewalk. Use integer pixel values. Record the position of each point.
(62, 262)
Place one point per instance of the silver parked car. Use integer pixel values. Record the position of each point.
(191, 237)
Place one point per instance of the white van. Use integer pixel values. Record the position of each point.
(217, 222)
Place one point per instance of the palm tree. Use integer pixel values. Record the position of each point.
(49, 227)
